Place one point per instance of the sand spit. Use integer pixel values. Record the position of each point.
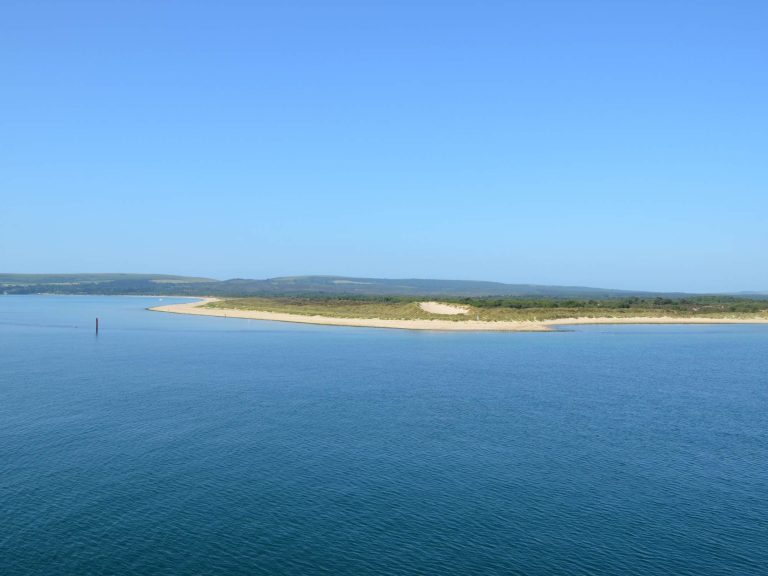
(464, 325)
(469, 325)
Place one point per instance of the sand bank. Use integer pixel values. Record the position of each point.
(463, 325)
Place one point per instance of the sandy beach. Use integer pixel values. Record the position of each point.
(448, 325)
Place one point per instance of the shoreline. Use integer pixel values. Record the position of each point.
(194, 308)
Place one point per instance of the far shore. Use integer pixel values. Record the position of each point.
(196, 308)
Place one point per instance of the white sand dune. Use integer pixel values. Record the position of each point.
(442, 308)
(449, 325)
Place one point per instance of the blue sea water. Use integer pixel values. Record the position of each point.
(186, 445)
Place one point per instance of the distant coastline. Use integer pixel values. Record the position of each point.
(198, 308)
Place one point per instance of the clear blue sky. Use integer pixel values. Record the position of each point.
(617, 143)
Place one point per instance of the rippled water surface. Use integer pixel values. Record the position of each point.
(193, 446)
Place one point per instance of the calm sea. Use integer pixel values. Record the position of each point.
(183, 445)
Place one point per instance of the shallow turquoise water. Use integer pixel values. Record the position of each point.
(183, 445)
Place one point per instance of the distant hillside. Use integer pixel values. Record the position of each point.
(757, 294)
(161, 284)
(100, 284)
(412, 287)
(41, 279)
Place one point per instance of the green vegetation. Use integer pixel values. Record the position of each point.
(515, 309)
(385, 308)
(702, 305)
